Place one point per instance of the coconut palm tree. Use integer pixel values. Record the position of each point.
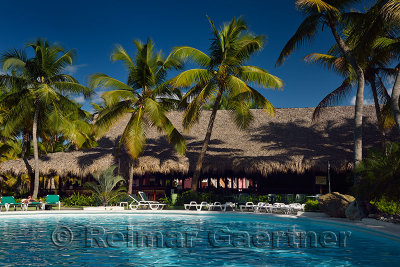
(223, 72)
(38, 88)
(141, 97)
(391, 14)
(374, 61)
(330, 13)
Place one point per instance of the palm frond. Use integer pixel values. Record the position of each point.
(114, 96)
(120, 53)
(305, 33)
(158, 117)
(192, 112)
(111, 115)
(259, 77)
(333, 98)
(310, 6)
(105, 81)
(72, 87)
(188, 53)
(190, 77)
(133, 137)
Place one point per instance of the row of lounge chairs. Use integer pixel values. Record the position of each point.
(273, 208)
(212, 206)
(249, 206)
(9, 201)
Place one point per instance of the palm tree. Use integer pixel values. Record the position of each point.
(329, 13)
(391, 14)
(141, 97)
(223, 73)
(38, 88)
(374, 62)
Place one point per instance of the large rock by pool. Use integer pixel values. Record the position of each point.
(335, 204)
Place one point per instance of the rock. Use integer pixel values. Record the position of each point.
(352, 212)
(335, 204)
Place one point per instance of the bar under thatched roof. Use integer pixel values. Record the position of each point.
(290, 141)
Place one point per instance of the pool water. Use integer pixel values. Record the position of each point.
(176, 239)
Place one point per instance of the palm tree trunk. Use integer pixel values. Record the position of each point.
(130, 185)
(394, 100)
(377, 109)
(199, 164)
(25, 144)
(359, 97)
(35, 152)
(358, 114)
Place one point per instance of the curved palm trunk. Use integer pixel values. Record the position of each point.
(199, 164)
(394, 100)
(358, 115)
(359, 98)
(35, 152)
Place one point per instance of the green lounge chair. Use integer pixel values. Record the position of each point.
(52, 200)
(10, 201)
(34, 204)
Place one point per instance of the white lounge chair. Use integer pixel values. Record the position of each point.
(137, 203)
(230, 205)
(191, 205)
(201, 205)
(248, 206)
(154, 205)
(215, 205)
(295, 207)
(260, 207)
(279, 208)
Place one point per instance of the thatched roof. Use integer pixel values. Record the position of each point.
(290, 141)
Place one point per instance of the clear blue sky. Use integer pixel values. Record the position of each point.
(93, 28)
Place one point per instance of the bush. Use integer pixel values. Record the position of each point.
(186, 197)
(311, 205)
(78, 200)
(386, 206)
(380, 173)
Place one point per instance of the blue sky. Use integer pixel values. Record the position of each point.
(93, 28)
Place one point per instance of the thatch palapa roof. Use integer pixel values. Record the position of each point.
(290, 141)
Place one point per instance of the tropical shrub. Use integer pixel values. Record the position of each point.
(380, 173)
(387, 206)
(104, 189)
(188, 196)
(311, 205)
(78, 200)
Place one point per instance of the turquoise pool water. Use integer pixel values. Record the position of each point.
(176, 239)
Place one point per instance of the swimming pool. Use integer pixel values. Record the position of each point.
(178, 239)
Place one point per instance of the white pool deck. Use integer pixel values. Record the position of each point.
(389, 229)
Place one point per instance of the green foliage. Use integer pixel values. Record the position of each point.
(311, 205)
(387, 206)
(380, 173)
(166, 200)
(78, 200)
(104, 189)
(188, 196)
